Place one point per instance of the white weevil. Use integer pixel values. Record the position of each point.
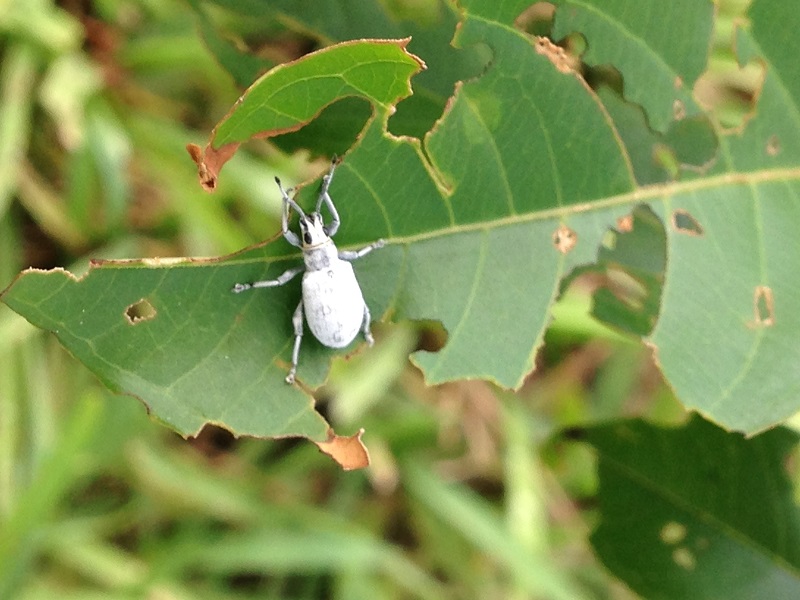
(332, 301)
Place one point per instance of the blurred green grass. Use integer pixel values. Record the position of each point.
(465, 497)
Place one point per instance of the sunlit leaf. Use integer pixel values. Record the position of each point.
(476, 216)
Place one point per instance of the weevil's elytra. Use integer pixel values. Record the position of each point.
(332, 301)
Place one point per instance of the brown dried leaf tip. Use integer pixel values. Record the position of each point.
(763, 306)
(349, 452)
(209, 161)
(140, 311)
(684, 222)
(564, 239)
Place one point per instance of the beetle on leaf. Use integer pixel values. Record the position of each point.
(332, 301)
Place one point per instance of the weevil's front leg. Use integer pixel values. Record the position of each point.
(297, 322)
(365, 326)
(354, 254)
(283, 278)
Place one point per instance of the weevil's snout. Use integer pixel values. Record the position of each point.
(313, 230)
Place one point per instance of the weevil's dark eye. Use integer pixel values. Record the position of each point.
(307, 238)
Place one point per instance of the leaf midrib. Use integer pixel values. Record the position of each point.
(659, 192)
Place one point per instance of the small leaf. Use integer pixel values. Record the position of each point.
(291, 95)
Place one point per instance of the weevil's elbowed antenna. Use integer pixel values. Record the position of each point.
(325, 197)
(288, 204)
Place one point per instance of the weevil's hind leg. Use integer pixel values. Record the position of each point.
(365, 327)
(297, 322)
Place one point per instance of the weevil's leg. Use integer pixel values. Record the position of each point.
(297, 322)
(354, 254)
(365, 327)
(288, 204)
(283, 278)
(325, 197)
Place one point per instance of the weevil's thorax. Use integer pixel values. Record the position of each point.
(319, 251)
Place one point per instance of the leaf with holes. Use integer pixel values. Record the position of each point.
(528, 172)
(700, 536)
(659, 48)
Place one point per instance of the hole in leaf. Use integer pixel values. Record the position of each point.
(626, 288)
(684, 558)
(537, 19)
(575, 45)
(140, 311)
(764, 306)
(564, 239)
(672, 533)
(332, 132)
(632, 262)
(731, 93)
(607, 76)
(679, 110)
(418, 113)
(773, 145)
(684, 222)
(213, 441)
(432, 336)
(665, 157)
(689, 144)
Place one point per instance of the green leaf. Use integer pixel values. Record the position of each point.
(660, 48)
(430, 34)
(286, 98)
(153, 332)
(721, 521)
(720, 353)
(525, 154)
(291, 95)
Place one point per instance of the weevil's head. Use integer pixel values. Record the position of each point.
(312, 230)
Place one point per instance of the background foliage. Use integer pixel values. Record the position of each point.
(469, 494)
